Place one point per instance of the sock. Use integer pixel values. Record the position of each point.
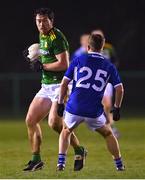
(61, 159)
(118, 162)
(79, 150)
(36, 157)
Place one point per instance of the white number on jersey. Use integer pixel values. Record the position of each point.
(88, 75)
(80, 82)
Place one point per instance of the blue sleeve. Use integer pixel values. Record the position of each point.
(70, 71)
(114, 76)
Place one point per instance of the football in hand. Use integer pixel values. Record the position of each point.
(33, 52)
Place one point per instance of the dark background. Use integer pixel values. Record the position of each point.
(122, 21)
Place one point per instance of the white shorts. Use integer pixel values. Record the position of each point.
(50, 91)
(72, 121)
(108, 90)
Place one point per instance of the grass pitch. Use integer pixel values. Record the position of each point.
(15, 152)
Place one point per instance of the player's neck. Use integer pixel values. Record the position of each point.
(47, 32)
(92, 51)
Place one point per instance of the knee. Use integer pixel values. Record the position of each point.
(55, 124)
(30, 121)
(107, 133)
(66, 132)
(52, 122)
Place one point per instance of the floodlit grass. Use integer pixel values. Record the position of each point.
(15, 152)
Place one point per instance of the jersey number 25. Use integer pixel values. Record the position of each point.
(98, 77)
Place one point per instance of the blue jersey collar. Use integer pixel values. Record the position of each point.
(96, 53)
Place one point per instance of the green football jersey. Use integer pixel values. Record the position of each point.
(110, 53)
(50, 45)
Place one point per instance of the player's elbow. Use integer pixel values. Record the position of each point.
(64, 65)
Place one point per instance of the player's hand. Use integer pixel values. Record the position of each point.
(32, 52)
(116, 113)
(60, 109)
(36, 65)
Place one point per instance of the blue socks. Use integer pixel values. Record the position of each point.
(118, 163)
(61, 160)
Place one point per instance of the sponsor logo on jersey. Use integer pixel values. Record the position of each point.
(44, 52)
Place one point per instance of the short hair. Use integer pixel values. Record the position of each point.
(98, 31)
(45, 12)
(96, 42)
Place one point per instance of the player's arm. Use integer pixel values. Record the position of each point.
(119, 92)
(116, 82)
(69, 74)
(62, 95)
(61, 64)
(63, 90)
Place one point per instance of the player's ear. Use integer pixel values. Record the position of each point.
(88, 48)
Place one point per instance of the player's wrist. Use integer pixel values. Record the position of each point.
(60, 109)
(46, 67)
(116, 106)
(60, 102)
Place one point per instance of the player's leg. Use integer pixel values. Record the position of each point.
(64, 143)
(99, 124)
(113, 145)
(71, 121)
(107, 102)
(37, 138)
(56, 123)
(37, 111)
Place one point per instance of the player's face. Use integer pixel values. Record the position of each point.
(44, 24)
(84, 41)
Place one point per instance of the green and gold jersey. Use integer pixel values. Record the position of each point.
(50, 45)
(109, 53)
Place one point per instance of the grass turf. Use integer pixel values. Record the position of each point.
(15, 152)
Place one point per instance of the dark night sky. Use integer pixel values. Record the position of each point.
(122, 21)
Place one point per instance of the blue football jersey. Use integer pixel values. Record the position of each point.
(90, 74)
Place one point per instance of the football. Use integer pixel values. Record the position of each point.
(33, 52)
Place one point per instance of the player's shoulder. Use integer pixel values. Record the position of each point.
(54, 34)
(112, 67)
(58, 32)
(82, 57)
(59, 36)
(108, 62)
(78, 60)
